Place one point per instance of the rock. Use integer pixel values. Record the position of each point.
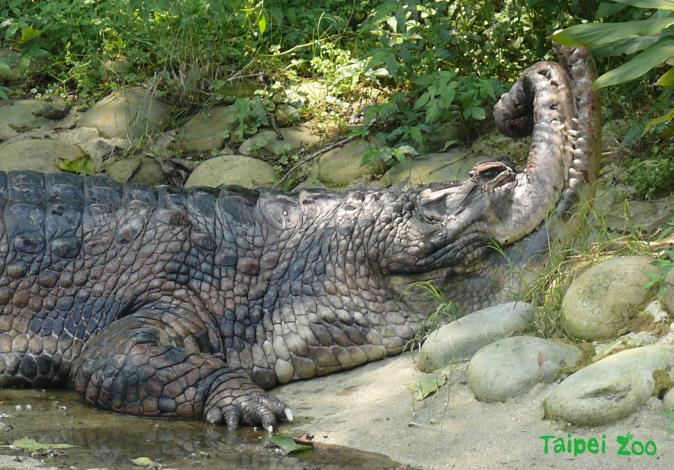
(433, 168)
(495, 145)
(610, 389)
(267, 144)
(130, 113)
(286, 115)
(24, 115)
(512, 365)
(17, 72)
(139, 170)
(343, 165)
(460, 339)
(601, 301)
(655, 310)
(90, 140)
(668, 296)
(39, 154)
(227, 170)
(668, 400)
(629, 341)
(626, 216)
(447, 134)
(205, 131)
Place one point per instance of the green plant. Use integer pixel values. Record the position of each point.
(651, 39)
(444, 312)
(658, 278)
(247, 116)
(652, 177)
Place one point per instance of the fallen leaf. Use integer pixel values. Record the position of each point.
(426, 386)
(32, 445)
(287, 444)
(144, 462)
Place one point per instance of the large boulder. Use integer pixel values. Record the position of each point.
(268, 144)
(39, 154)
(460, 339)
(433, 168)
(131, 113)
(205, 131)
(227, 170)
(139, 170)
(344, 165)
(510, 366)
(24, 115)
(612, 388)
(601, 301)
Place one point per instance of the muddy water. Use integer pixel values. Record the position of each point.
(105, 440)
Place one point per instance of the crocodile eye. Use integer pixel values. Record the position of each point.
(492, 174)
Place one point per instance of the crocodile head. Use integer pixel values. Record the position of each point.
(458, 234)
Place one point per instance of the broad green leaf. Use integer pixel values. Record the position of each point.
(657, 4)
(28, 34)
(415, 134)
(3, 94)
(80, 165)
(422, 100)
(665, 118)
(639, 65)
(262, 24)
(426, 386)
(287, 444)
(144, 462)
(607, 9)
(31, 445)
(625, 46)
(5, 70)
(600, 34)
(667, 79)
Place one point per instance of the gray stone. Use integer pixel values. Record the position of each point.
(229, 170)
(510, 366)
(91, 142)
(460, 339)
(24, 115)
(342, 166)
(629, 341)
(610, 389)
(139, 170)
(495, 145)
(286, 115)
(205, 131)
(645, 216)
(668, 297)
(39, 154)
(267, 143)
(131, 113)
(433, 168)
(601, 301)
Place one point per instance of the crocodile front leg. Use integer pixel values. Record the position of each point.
(146, 365)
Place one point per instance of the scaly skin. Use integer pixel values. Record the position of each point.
(190, 303)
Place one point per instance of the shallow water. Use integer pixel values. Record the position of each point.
(106, 440)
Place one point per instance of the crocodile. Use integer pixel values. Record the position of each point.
(167, 302)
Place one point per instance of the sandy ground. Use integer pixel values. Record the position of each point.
(369, 409)
(372, 409)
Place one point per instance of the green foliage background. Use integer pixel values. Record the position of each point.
(399, 71)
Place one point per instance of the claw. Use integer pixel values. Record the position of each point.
(270, 429)
(289, 414)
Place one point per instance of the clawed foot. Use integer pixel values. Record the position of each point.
(239, 401)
